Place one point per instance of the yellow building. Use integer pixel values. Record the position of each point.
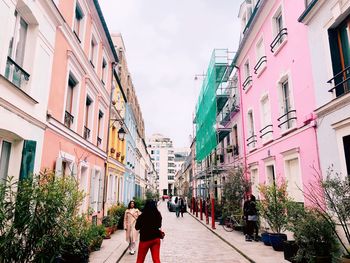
(116, 147)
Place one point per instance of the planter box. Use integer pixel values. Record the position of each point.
(290, 250)
(265, 238)
(277, 241)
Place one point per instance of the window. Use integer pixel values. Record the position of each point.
(4, 159)
(246, 69)
(270, 174)
(93, 51)
(251, 141)
(248, 78)
(88, 109)
(99, 128)
(228, 139)
(235, 151)
(14, 67)
(254, 179)
(293, 178)
(69, 116)
(266, 124)
(104, 71)
(287, 120)
(260, 57)
(78, 22)
(279, 22)
(346, 145)
(83, 186)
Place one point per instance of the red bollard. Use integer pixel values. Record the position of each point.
(206, 213)
(196, 208)
(201, 209)
(212, 214)
(191, 208)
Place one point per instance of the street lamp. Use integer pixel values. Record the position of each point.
(121, 134)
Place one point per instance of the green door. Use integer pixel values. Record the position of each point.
(28, 158)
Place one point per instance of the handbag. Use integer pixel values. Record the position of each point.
(161, 234)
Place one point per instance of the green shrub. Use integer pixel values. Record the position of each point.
(36, 216)
(117, 212)
(139, 203)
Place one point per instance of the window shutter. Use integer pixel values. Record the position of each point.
(92, 186)
(100, 192)
(58, 168)
(28, 158)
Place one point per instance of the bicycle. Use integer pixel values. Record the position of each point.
(231, 222)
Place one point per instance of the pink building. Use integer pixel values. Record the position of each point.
(75, 141)
(276, 86)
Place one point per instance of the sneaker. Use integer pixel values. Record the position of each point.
(132, 252)
(248, 238)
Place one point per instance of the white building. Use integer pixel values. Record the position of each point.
(180, 157)
(328, 23)
(163, 158)
(26, 54)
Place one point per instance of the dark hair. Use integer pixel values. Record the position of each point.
(129, 205)
(150, 210)
(252, 198)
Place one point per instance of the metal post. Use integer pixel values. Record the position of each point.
(201, 210)
(196, 207)
(206, 212)
(212, 214)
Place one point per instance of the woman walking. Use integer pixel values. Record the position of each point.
(252, 222)
(149, 224)
(130, 216)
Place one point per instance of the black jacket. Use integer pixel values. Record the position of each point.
(149, 227)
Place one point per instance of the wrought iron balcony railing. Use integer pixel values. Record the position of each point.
(14, 73)
(86, 133)
(287, 119)
(341, 82)
(99, 141)
(278, 39)
(68, 119)
(262, 61)
(251, 141)
(266, 130)
(248, 81)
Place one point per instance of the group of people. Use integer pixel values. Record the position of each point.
(149, 224)
(179, 206)
(250, 214)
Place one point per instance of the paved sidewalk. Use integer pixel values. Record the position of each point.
(253, 251)
(111, 250)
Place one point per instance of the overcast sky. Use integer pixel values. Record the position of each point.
(167, 43)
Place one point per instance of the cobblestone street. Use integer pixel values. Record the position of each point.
(187, 240)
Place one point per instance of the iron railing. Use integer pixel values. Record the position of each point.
(99, 141)
(14, 73)
(86, 133)
(278, 39)
(247, 81)
(266, 130)
(252, 140)
(288, 117)
(341, 82)
(68, 119)
(235, 150)
(261, 61)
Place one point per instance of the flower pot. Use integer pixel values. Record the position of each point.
(265, 238)
(290, 250)
(323, 259)
(277, 240)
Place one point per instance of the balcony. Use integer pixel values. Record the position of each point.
(340, 82)
(68, 119)
(287, 120)
(86, 133)
(222, 132)
(251, 141)
(14, 73)
(266, 131)
(99, 141)
(247, 83)
(278, 41)
(260, 65)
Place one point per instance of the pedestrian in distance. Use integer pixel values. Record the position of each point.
(149, 223)
(245, 217)
(182, 206)
(177, 206)
(252, 220)
(130, 217)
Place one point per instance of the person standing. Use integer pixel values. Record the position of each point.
(182, 206)
(252, 220)
(130, 217)
(177, 206)
(149, 224)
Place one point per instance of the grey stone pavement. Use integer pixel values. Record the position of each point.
(186, 240)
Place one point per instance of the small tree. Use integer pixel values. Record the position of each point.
(331, 196)
(235, 187)
(274, 206)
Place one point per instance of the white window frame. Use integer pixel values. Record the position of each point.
(255, 182)
(91, 120)
(84, 10)
(102, 127)
(260, 53)
(93, 54)
(104, 72)
(275, 30)
(251, 130)
(287, 157)
(270, 162)
(342, 129)
(268, 137)
(84, 186)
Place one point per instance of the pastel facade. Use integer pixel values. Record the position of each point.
(75, 140)
(26, 56)
(278, 102)
(116, 146)
(328, 26)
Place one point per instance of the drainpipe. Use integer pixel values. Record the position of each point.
(243, 126)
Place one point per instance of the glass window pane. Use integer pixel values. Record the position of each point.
(21, 42)
(4, 160)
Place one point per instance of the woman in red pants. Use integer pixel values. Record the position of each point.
(149, 224)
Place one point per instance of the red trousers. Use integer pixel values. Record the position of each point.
(154, 245)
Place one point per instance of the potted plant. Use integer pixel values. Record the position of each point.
(273, 207)
(314, 235)
(108, 224)
(332, 196)
(96, 236)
